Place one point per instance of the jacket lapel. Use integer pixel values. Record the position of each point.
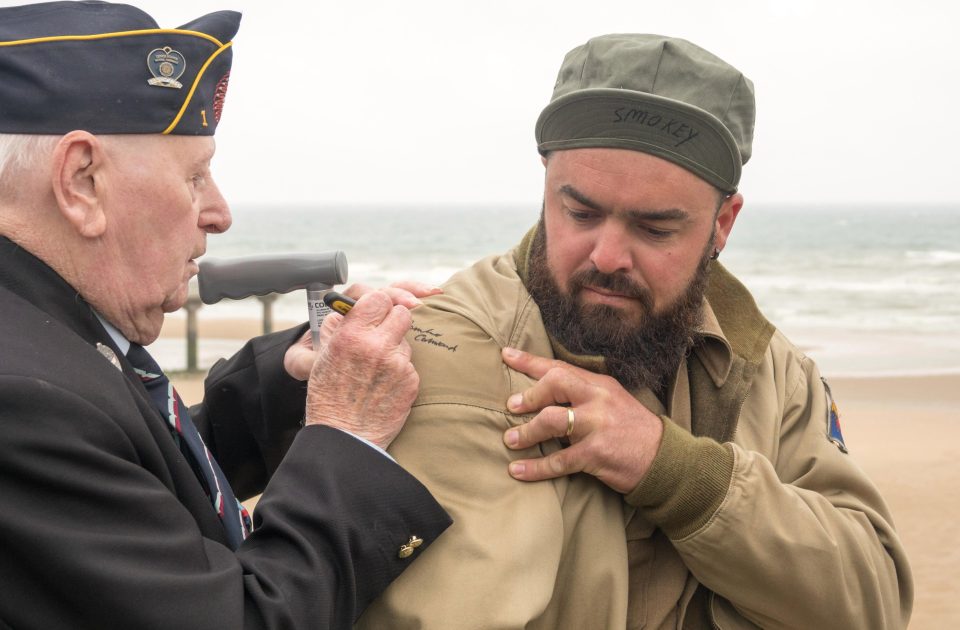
(31, 279)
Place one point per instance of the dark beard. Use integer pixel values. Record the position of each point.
(644, 351)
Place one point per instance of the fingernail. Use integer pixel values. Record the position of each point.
(517, 468)
(512, 438)
(514, 401)
(511, 353)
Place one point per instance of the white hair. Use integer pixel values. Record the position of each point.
(22, 152)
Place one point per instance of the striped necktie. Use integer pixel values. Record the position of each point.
(235, 518)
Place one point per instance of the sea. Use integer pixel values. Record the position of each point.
(865, 290)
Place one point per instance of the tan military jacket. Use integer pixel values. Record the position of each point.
(775, 528)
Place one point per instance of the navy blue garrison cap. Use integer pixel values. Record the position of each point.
(108, 68)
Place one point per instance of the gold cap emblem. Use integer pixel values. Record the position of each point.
(166, 65)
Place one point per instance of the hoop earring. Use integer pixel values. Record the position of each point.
(716, 253)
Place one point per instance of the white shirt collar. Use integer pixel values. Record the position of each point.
(122, 342)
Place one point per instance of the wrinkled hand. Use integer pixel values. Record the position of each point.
(405, 292)
(614, 438)
(299, 358)
(363, 381)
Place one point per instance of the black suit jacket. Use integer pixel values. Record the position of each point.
(103, 523)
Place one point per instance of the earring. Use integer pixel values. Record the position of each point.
(716, 253)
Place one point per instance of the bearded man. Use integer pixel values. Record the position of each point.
(611, 342)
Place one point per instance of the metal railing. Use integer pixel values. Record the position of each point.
(194, 304)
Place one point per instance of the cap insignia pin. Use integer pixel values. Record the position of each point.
(166, 65)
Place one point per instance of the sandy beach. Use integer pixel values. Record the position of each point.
(903, 431)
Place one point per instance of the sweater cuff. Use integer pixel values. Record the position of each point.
(686, 483)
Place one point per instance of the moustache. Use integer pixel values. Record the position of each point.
(614, 282)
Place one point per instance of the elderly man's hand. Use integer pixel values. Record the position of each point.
(363, 381)
(299, 359)
(613, 438)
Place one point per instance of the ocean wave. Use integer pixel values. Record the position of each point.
(833, 285)
(935, 257)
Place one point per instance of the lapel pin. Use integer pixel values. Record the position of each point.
(109, 355)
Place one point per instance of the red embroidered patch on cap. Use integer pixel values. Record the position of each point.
(219, 95)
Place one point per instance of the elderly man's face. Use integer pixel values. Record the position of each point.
(161, 202)
(626, 238)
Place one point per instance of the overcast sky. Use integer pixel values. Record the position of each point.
(410, 102)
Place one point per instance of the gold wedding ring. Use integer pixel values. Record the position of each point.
(570, 419)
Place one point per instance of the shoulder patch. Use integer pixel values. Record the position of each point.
(833, 420)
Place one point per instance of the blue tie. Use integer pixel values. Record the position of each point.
(235, 518)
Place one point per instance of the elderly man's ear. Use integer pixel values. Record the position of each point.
(78, 163)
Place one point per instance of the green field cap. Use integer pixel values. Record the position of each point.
(109, 68)
(655, 94)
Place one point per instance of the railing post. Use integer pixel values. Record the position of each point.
(192, 305)
(267, 301)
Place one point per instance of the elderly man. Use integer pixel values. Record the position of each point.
(114, 511)
(718, 491)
